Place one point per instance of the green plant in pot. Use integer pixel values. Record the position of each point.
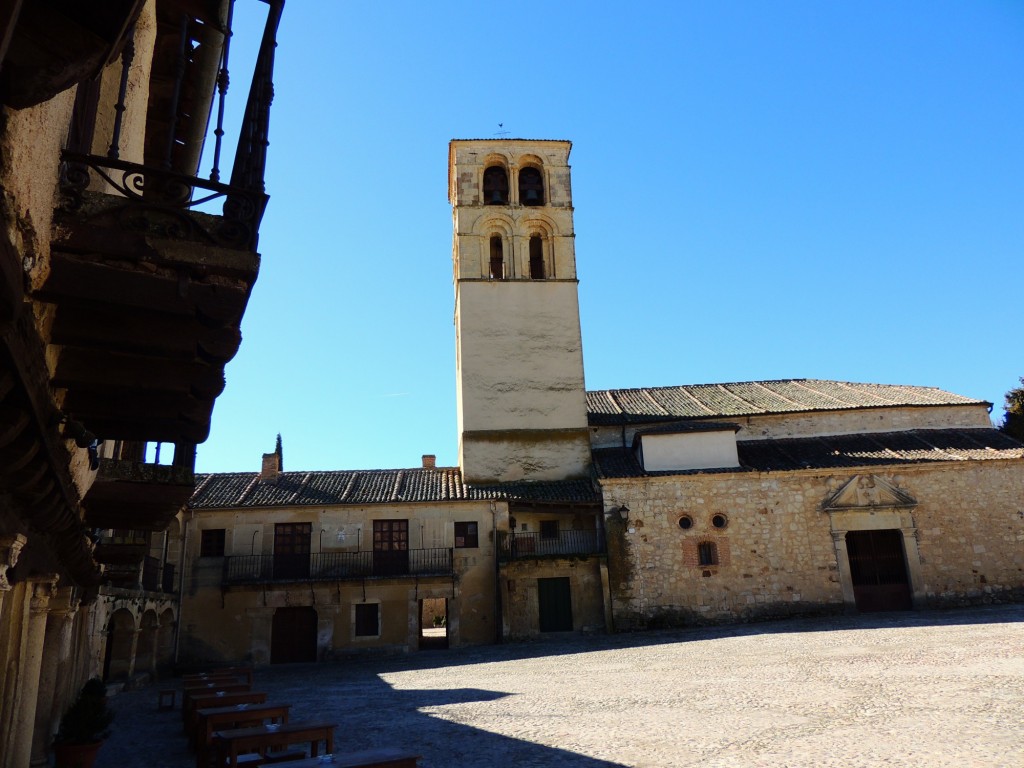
(84, 726)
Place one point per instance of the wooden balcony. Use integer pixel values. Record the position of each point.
(520, 546)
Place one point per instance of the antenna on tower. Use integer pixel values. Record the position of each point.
(501, 131)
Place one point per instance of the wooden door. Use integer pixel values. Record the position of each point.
(390, 547)
(293, 635)
(554, 598)
(291, 550)
(878, 569)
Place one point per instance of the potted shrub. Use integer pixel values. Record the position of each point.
(83, 727)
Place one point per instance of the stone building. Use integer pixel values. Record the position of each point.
(305, 566)
(120, 304)
(610, 510)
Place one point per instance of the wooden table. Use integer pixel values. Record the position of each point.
(237, 716)
(385, 757)
(230, 744)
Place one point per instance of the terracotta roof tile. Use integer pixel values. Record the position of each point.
(373, 486)
(751, 398)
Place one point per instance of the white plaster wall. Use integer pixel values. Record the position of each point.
(521, 356)
(689, 450)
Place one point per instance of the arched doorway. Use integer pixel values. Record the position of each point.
(293, 635)
(117, 663)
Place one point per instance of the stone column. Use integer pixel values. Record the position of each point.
(56, 652)
(131, 654)
(845, 577)
(42, 589)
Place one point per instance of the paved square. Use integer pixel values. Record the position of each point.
(921, 689)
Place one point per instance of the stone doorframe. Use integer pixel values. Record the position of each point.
(871, 503)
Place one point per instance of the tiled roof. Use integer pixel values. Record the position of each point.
(372, 486)
(750, 398)
(840, 451)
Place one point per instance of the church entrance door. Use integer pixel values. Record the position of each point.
(878, 569)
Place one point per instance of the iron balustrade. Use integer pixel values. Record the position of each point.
(337, 566)
(513, 546)
(158, 199)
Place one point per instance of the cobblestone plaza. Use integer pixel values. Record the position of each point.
(923, 689)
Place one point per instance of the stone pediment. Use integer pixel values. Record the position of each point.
(867, 492)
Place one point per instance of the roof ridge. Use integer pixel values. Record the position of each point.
(302, 486)
(751, 405)
(348, 487)
(842, 403)
(646, 394)
(206, 481)
(397, 487)
(248, 489)
(773, 393)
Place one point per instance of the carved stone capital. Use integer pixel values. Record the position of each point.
(10, 550)
(43, 588)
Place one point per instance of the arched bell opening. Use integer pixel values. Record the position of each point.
(531, 187)
(495, 186)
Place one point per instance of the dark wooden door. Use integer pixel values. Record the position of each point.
(293, 635)
(291, 550)
(390, 547)
(554, 598)
(878, 568)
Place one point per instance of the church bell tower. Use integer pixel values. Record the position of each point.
(519, 353)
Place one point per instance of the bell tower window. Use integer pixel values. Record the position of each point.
(497, 259)
(495, 186)
(531, 187)
(536, 258)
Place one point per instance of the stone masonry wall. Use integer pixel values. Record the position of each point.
(776, 555)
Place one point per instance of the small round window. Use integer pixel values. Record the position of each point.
(719, 521)
(686, 522)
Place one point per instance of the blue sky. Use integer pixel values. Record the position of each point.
(762, 191)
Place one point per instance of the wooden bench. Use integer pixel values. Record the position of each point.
(243, 673)
(384, 757)
(190, 692)
(211, 699)
(229, 745)
(238, 716)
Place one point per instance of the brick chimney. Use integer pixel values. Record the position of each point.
(271, 467)
(429, 461)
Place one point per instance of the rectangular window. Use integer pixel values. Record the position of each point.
(707, 553)
(367, 619)
(549, 529)
(466, 535)
(212, 543)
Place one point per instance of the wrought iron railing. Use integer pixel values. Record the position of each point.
(513, 546)
(336, 566)
(159, 199)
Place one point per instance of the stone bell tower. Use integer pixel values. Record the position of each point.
(519, 365)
